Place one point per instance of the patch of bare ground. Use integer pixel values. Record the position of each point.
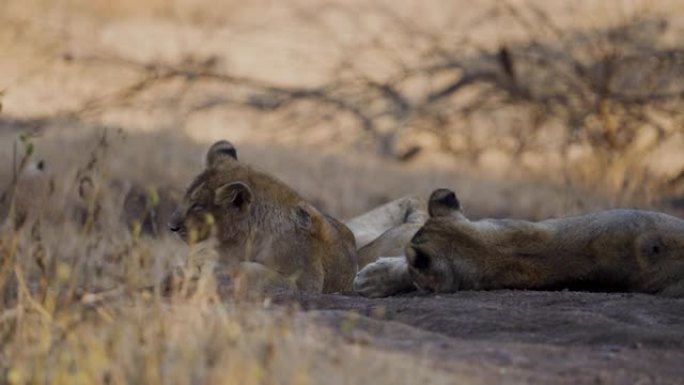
(521, 336)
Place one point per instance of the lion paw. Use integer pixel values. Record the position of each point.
(384, 277)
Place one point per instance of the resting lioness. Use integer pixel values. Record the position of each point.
(262, 226)
(614, 250)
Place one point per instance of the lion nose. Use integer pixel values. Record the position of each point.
(175, 227)
(175, 222)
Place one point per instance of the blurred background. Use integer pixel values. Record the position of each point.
(525, 108)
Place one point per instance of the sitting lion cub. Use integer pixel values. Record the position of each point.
(614, 250)
(262, 227)
(261, 223)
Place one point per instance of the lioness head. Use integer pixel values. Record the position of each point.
(429, 258)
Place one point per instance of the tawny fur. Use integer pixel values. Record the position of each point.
(613, 250)
(258, 219)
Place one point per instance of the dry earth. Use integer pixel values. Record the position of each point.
(522, 337)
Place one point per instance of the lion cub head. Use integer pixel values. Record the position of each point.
(237, 204)
(216, 200)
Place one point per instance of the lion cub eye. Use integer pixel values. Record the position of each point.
(196, 208)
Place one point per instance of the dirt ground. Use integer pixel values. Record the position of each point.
(521, 337)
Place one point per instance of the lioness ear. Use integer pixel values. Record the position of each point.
(234, 194)
(219, 152)
(443, 202)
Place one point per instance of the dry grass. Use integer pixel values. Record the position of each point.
(142, 338)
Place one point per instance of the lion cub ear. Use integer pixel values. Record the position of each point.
(220, 152)
(306, 217)
(309, 219)
(443, 202)
(235, 194)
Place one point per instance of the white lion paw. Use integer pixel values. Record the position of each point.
(384, 277)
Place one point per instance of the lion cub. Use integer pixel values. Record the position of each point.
(613, 250)
(261, 225)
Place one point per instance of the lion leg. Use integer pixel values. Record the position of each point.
(384, 277)
(372, 224)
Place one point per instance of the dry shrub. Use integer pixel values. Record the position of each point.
(584, 95)
(584, 104)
